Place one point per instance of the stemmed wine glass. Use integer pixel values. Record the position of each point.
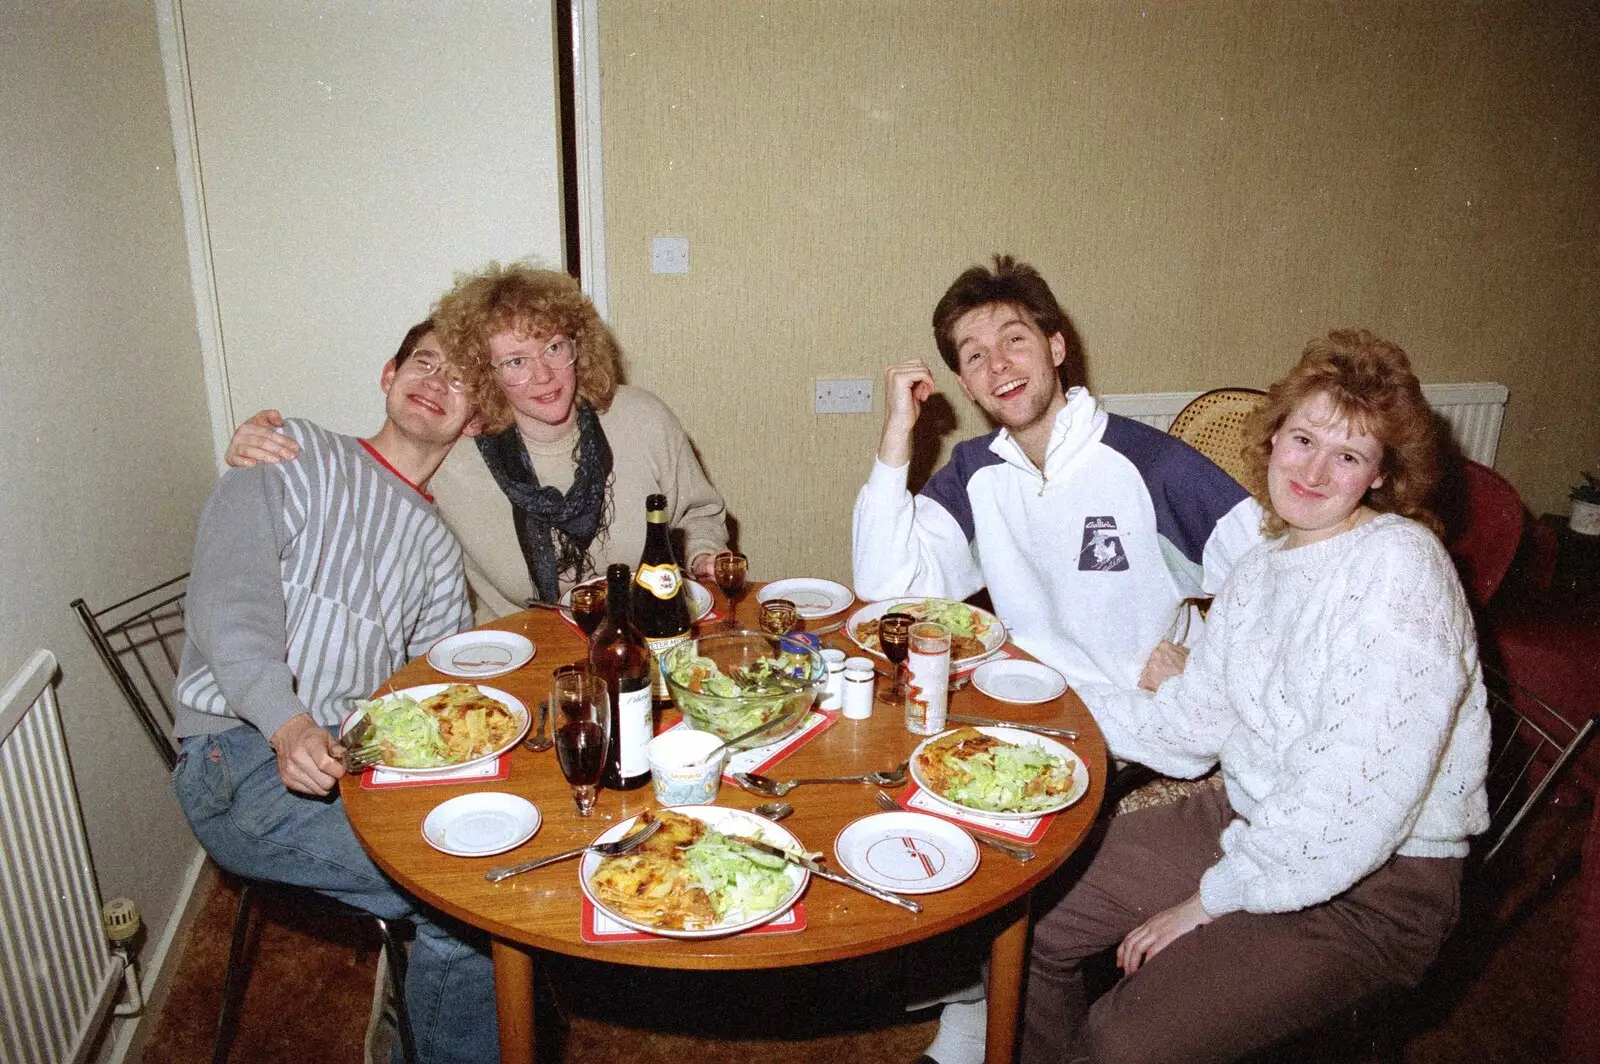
(730, 568)
(589, 605)
(894, 636)
(581, 708)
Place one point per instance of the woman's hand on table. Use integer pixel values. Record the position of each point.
(309, 761)
(258, 440)
(1159, 932)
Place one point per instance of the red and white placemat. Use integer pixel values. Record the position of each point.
(1030, 829)
(382, 779)
(597, 928)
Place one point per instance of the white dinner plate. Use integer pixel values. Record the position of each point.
(700, 602)
(481, 654)
(814, 599)
(908, 853)
(728, 821)
(428, 690)
(1080, 773)
(993, 639)
(1022, 682)
(480, 824)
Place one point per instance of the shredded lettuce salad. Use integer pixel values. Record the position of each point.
(408, 732)
(742, 883)
(956, 616)
(996, 780)
(768, 687)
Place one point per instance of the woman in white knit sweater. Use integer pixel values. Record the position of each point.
(1338, 686)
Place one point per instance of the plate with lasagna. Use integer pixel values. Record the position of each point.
(441, 727)
(689, 879)
(1005, 773)
(974, 634)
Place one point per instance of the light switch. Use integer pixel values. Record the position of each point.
(669, 254)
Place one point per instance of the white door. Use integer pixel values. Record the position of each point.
(341, 161)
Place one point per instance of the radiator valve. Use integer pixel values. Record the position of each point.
(120, 918)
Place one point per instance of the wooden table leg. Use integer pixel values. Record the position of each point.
(513, 1000)
(1007, 956)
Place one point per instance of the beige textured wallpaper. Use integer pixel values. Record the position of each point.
(1206, 185)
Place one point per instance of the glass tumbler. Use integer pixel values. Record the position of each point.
(928, 690)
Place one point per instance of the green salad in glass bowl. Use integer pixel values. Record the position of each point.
(729, 683)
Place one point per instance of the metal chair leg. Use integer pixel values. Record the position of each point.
(233, 977)
(394, 951)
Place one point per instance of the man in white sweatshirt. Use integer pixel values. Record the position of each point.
(1089, 530)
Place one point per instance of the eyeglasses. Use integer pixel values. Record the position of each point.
(427, 367)
(558, 354)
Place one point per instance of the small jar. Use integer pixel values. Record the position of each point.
(859, 678)
(833, 690)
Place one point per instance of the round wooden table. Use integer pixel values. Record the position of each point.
(540, 910)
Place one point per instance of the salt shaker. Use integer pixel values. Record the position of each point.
(833, 692)
(858, 680)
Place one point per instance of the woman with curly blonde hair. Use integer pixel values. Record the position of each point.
(554, 489)
(1338, 687)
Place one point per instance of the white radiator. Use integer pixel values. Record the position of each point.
(58, 977)
(1474, 412)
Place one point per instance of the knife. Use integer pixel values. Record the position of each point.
(822, 873)
(1061, 733)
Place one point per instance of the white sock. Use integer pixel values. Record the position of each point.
(962, 1028)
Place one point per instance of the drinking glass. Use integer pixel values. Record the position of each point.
(779, 616)
(581, 709)
(589, 606)
(894, 636)
(929, 665)
(730, 568)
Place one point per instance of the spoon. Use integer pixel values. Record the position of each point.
(539, 739)
(773, 811)
(741, 737)
(754, 781)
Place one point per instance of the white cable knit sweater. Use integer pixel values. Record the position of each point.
(1338, 685)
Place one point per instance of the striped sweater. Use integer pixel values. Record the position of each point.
(313, 581)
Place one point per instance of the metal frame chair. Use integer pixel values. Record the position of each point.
(140, 642)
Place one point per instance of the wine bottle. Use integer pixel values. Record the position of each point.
(618, 652)
(660, 600)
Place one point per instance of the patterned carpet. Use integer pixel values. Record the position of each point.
(310, 994)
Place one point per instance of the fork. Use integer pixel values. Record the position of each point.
(1010, 849)
(604, 849)
(361, 750)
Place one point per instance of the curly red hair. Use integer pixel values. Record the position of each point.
(524, 298)
(1370, 383)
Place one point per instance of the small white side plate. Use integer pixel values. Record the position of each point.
(481, 654)
(813, 598)
(1022, 682)
(480, 824)
(908, 853)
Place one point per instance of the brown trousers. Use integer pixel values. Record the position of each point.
(1235, 985)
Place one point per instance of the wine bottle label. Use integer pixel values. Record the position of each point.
(662, 581)
(635, 730)
(659, 649)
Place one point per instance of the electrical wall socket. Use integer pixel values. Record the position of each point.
(848, 396)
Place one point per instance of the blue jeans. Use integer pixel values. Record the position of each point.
(252, 825)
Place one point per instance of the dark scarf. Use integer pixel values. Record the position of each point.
(576, 517)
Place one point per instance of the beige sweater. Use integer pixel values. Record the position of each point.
(650, 453)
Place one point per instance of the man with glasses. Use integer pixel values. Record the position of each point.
(313, 581)
(1090, 531)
